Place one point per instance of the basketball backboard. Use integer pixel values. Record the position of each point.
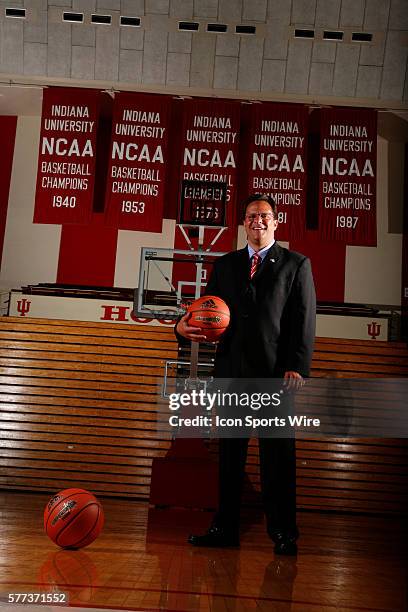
(169, 278)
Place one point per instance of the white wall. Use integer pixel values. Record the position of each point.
(30, 251)
(373, 275)
(272, 61)
(129, 250)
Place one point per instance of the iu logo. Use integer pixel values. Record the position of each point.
(23, 306)
(373, 329)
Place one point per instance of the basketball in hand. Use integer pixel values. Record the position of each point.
(211, 314)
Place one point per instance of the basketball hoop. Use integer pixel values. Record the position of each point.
(202, 206)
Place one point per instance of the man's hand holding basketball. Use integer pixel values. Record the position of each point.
(189, 331)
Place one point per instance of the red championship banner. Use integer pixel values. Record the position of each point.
(136, 177)
(210, 145)
(66, 159)
(277, 141)
(210, 136)
(347, 188)
(8, 135)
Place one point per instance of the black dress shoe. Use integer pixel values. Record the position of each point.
(286, 546)
(285, 542)
(277, 535)
(215, 537)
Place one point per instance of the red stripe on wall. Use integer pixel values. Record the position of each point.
(171, 193)
(8, 136)
(404, 280)
(328, 264)
(87, 254)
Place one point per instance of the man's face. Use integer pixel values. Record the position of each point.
(260, 232)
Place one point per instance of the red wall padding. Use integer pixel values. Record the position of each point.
(328, 265)
(8, 136)
(87, 254)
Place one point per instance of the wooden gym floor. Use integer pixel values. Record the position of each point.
(141, 561)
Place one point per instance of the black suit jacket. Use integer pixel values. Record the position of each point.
(273, 315)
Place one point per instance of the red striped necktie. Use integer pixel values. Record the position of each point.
(255, 261)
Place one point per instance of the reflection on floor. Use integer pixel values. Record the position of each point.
(141, 561)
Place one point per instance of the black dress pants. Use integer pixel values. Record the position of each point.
(277, 458)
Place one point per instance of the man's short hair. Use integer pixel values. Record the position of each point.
(260, 197)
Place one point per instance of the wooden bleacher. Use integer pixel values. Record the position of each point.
(78, 408)
(78, 404)
(346, 474)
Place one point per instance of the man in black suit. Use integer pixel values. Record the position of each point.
(271, 296)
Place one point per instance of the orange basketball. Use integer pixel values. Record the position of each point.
(73, 518)
(211, 314)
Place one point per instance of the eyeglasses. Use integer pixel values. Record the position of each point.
(264, 216)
